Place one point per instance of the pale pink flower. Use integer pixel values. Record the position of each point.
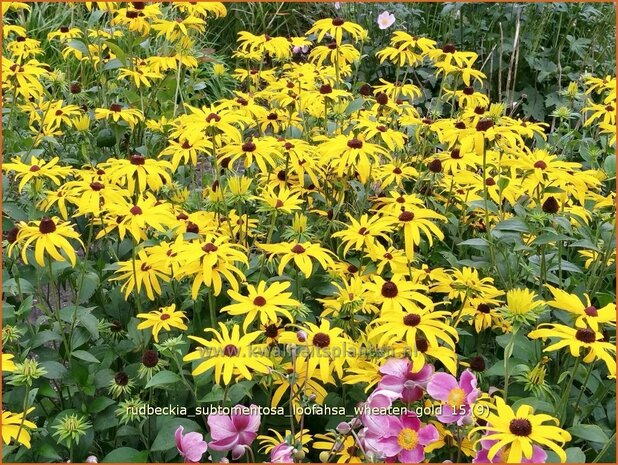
(397, 377)
(191, 445)
(385, 20)
(235, 432)
(282, 453)
(457, 397)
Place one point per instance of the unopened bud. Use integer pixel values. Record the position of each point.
(301, 336)
(343, 427)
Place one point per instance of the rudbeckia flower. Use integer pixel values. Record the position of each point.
(141, 272)
(263, 302)
(301, 254)
(586, 314)
(38, 168)
(165, 318)
(335, 28)
(16, 427)
(116, 112)
(230, 354)
(521, 430)
(50, 237)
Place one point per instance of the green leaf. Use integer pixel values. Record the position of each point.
(609, 165)
(592, 433)
(43, 337)
(55, 370)
(86, 356)
(126, 455)
(163, 377)
(167, 426)
(476, 242)
(80, 46)
(99, 404)
(89, 286)
(513, 224)
(354, 106)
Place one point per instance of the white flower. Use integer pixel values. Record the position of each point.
(337, 5)
(385, 20)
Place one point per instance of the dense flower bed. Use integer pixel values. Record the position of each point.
(310, 269)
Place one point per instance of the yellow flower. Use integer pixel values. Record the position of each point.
(165, 318)
(116, 112)
(361, 235)
(144, 271)
(586, 314)
(576, 340)
(48, 235)
(521, 430)
(285, 201)
(347, 155)
(15, 427)
(7, 363)
(37, 168)
(138, 172)
(229, 354)
(301, 254)
(265, 302)
(335, 28)
(218, 69)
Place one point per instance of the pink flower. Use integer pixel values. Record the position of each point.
(457, 396)
(385, 20)
(234, 432)
(378, 399)
(191, 446)
(403, 438)
(397, 377)
(538, 454)
(282, 453)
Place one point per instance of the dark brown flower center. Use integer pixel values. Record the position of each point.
(422, 345)
(138, 160)
(355, 144)
(279, 203)
(35, 168)
(468, 90)
(47, 226)
(121, 378)
(484, 124)
(136, 210)
(586, 335)
(210, 247)
(192, 228)
(550, 205)
(406, 216)
(483, 308)
(520, 427)
(591, 311)
(490, 182)
(248, 147)
(271, 331)
(449, 48)
(326, 89)
(298, 249)
(272, 116)
(64, 29)
(150, 359)
(96, 186)
(321, 340)
(259, 301)
(389, 289)
(363, 231)
(397, 170)
(213, 116)
(456, 154)
(165, 316)
(435, 166)
(338, 21)
(230, 350)
(411, 319)
(382, 98)
(540, 165)
(115, 107)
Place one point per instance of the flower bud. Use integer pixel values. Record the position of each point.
(301, 336)
(343, 427)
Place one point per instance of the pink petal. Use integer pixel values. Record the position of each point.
(410, 421)
(415, 455)
(392, 383)
(238, 452)
(396, 367)
(428, 434)
(220, 426)
(440, 385)
(178, 436)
